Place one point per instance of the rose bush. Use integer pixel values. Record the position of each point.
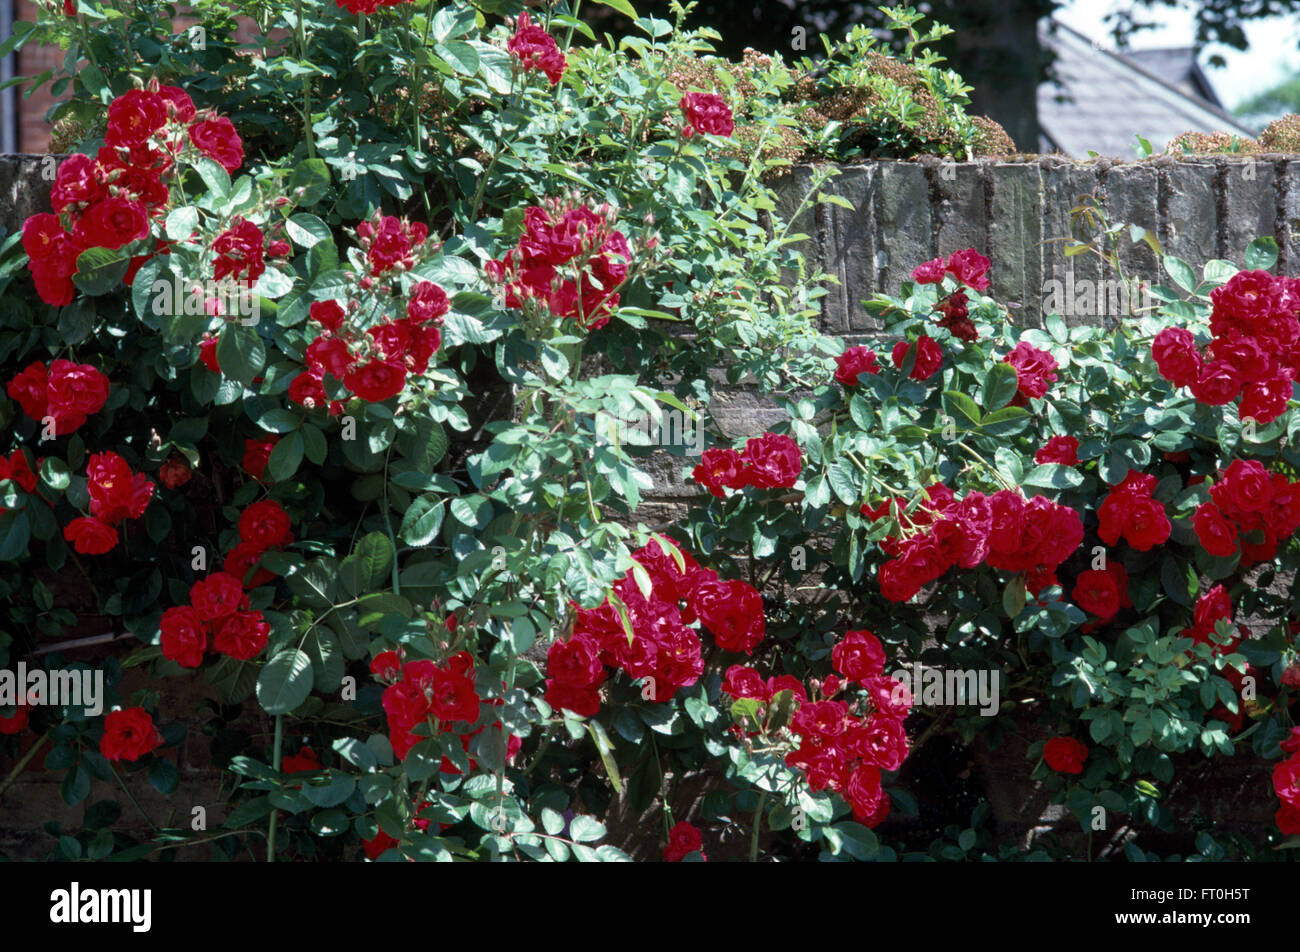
(311, 395)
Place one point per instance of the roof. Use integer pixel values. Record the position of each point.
(1110, 98)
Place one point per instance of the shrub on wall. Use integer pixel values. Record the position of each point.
(329, 376)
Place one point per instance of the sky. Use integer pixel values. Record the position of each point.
(1274, 52)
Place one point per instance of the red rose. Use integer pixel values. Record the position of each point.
(970, 268)
(1286, 781)
(428, 303)
(1059, 449)
(74, 392)
(1065, 755)
(1288, 820)
(732, 611)
(115, 492)
(184, 636)
(208, 354)
(575, 663)
(90, 536)
(1101, 591)
(583, 701)
(265, 525)
(787, 682)
(239, 252)
(718, 469)
(15, 467)
(742, 681)
(1266, 400)
(1246, 486)
(75, 182)
(174, 473)
(16, 722)
(329, 355)
(1216, 534)
(305, 761)
(242, 635)
(881, 741)
(453, 697)
(241, 560)
(1035, 369)
(129, 735)
(387, 666)
(855, 361)
(683, 840)
(217, 139)
(929, 357)
(256, 453)
(931, 272)
(218, 596)
(279, 249)
(390, 246)
(536, 49)
(707, 113)
(133, 117)
(859, 656)
(328, 314)
(111, 223)
(308, 390)
(772, 461)
(1130, 511)
(820, 719)
(866, 796)
(1217, 383)
(376, 380)
(180, 106)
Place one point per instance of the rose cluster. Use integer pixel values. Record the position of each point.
(568, 263)
(665, 652)
(536, 49)
(108, 201)
(373, 366)
(1286, 784)
(420, 692)
(1129, 511)
(216, 617)
(971, 269)
(116, 494)
(770, 461)
(64, 393)
(843, 745)
(1250, 510)
(929, 357)
(1005, 531)
(1253, 354)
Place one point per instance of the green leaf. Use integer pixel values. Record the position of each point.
(1181, 272)
(961, 407)
(1000, 384)
(285, 682)
(15, 531)
(285, 458)
(1261, 253)
(585, 829)
(422, 520)
(76, 321)
(622, 6)
(309, 182)
(241, 353)
(214, 176)
(100, 270)
(1053, 476)
(459, 55)
(164, 776)
(307, 230)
